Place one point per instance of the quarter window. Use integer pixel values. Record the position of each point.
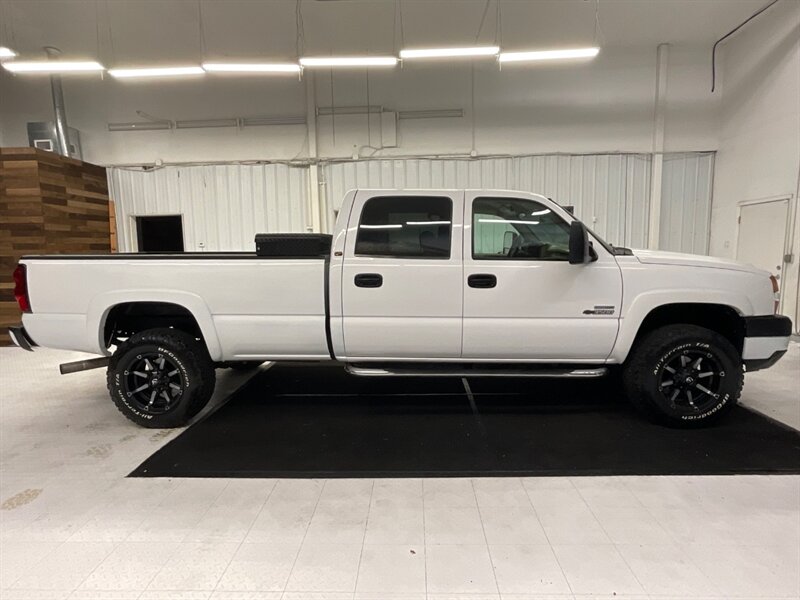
(405, 227)
(517, 229)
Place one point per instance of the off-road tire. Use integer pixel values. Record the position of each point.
(196, 375)
(643, 374)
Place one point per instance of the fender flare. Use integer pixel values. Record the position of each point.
(645, 303)
(101, 305)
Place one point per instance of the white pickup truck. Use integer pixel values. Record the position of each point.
(422, 282)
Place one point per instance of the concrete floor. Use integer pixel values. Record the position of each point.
(73, 526)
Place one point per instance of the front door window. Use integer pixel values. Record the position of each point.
(517, 229)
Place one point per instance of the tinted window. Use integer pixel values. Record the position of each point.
(517, 229)
(405, 226)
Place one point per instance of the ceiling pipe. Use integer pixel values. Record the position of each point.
(62, 129)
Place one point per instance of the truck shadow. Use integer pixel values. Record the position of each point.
(318, 381)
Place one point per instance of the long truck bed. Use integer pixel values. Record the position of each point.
(247, 307)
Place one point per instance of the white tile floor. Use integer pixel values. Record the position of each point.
(73, 526)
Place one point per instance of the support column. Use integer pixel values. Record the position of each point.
(60, 112)
(656, 175)
(317, 200)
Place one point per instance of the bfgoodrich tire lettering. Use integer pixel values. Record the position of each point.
(160, 378)
(683, 375)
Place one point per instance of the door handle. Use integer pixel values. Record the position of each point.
(482, 281)
(369, 280)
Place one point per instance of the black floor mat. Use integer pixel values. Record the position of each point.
(316, 421)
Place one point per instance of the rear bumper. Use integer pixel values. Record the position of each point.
(21, 338)
(766, 340)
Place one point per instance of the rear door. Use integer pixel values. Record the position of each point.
(401, 280)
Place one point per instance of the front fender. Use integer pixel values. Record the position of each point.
(101, 305)
(644, 303)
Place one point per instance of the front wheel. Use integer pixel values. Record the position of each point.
(160, 378)
(684, 375)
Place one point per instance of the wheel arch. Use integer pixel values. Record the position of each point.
(722, 318)
(142, 310)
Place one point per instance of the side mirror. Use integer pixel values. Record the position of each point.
(578, 244)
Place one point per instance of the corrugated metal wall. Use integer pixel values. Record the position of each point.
(223, 206)
(610, 192)
(686, 202)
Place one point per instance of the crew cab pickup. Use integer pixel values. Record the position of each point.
(414, 282)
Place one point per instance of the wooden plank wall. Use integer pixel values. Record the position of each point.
(49, 204)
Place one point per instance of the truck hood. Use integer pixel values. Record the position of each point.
(657, 257)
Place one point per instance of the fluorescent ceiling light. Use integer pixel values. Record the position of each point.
(349, 61)
(251, 67)
(548, 55)
(395, 226)
(7, 52)
(52, 66)
(515, 221)
(156, 72)
(450, 52)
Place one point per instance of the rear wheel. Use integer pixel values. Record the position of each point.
(160, 378)
(684, 375)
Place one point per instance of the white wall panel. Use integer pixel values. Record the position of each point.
(609, 191)
(223, 206)
(686, 202)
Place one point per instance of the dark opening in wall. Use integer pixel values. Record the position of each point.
(160, 234)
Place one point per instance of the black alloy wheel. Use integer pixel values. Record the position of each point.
(153, 383)
(691, 381)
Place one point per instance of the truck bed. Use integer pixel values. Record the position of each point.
(248, 307)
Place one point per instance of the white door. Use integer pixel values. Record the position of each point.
(402, 276)
(762, 234)
(523, 301)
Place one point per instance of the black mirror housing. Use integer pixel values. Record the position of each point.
(578, 244)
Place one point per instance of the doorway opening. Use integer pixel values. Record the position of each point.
(160, 234)
(763, 231)
(761, 239)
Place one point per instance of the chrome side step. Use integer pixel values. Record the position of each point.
(399, 370)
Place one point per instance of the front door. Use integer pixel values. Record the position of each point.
(523, 300)
(401, 276)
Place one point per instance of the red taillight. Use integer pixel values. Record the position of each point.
(21, 289)
(775, 291)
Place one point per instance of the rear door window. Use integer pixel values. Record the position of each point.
(406, 227)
